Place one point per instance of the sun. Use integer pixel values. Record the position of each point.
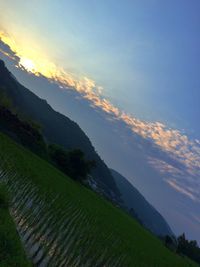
(28, 64)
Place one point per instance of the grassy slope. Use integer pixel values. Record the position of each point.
(141, 248)
(11, 250)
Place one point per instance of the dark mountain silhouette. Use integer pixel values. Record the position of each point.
(56, 128)
(143, 211)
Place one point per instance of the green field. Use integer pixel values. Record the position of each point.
(11, 250)
(62, 223)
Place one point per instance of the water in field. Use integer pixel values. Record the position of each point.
(55, 231)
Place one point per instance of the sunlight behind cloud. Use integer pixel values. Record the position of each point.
(28, 64)
(31, 59)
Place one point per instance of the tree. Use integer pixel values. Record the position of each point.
(170, 242)
(188, 248)
(20, 130)
(79, 166)
(72, 163)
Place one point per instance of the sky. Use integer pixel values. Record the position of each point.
(132, 70)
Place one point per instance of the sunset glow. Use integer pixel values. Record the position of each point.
(31, 59)
(28, 64)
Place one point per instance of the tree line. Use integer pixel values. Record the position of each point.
(184, 247)
(28, 133)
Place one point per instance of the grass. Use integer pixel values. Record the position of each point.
(11, 250)
(82, 227)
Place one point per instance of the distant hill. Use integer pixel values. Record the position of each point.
(144, 211)
(56, 128)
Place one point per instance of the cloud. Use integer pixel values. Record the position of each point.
(196, 218)
(164, 167)
(174, 184)
(177, 145)
(6, 51)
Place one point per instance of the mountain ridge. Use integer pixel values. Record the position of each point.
(145, 212)
(56, 127)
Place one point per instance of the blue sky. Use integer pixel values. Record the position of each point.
(146, 56)
(144, 53)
